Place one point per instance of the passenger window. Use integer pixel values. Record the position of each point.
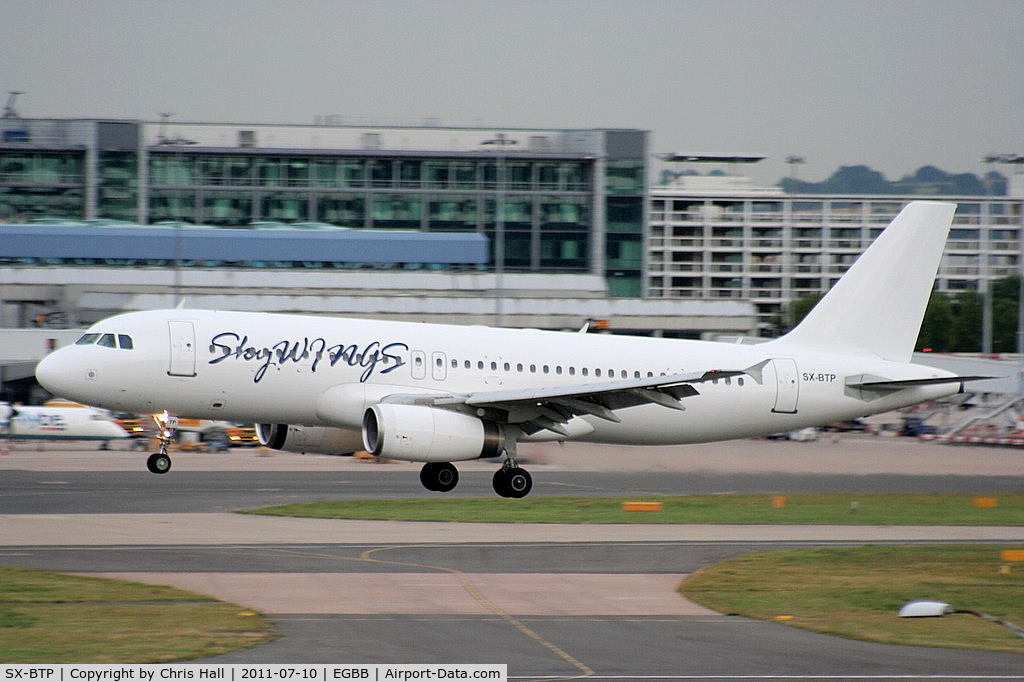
(107, 341)
(125, 342)
(87, 339)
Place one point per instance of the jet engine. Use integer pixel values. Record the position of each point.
(323, 440)
(425, 434)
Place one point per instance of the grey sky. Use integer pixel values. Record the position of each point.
(894, 84)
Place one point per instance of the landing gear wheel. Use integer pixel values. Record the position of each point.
(440, 477)
(514, 482)
(159, 463)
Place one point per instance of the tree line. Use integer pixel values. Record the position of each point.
(926, 181)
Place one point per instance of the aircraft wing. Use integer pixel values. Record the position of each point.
(537, 409)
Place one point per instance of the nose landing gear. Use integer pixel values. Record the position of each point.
(160, 462)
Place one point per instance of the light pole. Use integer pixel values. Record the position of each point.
(499, 141)
(1016, 160)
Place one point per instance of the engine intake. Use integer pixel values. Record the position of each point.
(425, 434)
(322, 440)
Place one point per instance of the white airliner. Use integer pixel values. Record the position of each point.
(439, 394)
(49, 422)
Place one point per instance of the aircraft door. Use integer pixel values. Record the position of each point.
(183, 348)
(787, 381)
(438, 366)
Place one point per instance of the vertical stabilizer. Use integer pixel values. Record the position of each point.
(878, 305)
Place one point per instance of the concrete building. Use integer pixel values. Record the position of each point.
(722, 238)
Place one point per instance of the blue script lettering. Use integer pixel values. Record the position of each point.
(233, 346)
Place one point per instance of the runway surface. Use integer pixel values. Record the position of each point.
(550, 601)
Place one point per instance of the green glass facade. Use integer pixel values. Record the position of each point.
(625, 186)
(546, 207)
(559, 201)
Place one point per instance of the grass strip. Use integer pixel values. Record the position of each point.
(55, 618)
(857, 592)
(831, 509)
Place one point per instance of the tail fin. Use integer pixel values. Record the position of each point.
(878, 305)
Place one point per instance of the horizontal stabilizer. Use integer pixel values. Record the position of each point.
(878, 384)
(869, 387)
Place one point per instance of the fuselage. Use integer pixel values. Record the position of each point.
(320, 371)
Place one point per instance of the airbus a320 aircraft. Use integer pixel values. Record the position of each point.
(439, 394)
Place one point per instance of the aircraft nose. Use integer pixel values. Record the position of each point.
(54, 373)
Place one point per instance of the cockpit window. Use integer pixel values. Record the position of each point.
(122, 341)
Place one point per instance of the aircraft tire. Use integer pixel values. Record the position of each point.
(440, 477)
(500, 483)
(158, 463)
(514, 482)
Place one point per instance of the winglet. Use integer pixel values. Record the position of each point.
(878, 305)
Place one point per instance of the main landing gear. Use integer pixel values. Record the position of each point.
(510, 480)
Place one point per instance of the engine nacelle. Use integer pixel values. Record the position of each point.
(425, 434)
(322, 440)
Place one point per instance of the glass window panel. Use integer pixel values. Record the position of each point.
(625, 214)
(227, 208)
(517, 212)
(625, 177)
(564, 251)
(465, 174)
(238, 170)
(19, 204)
(353, 173)
(397, 211)
(344, 210)
(564, 213)
(117, 186)
(409, 173)
(172, 204)
(284, 206)
(518, 175)
(298, 172)
(270, 172)
(437, 174)
(517, 250)
(381, 173)
(211, 170)
(453, 213)
(325, 173)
